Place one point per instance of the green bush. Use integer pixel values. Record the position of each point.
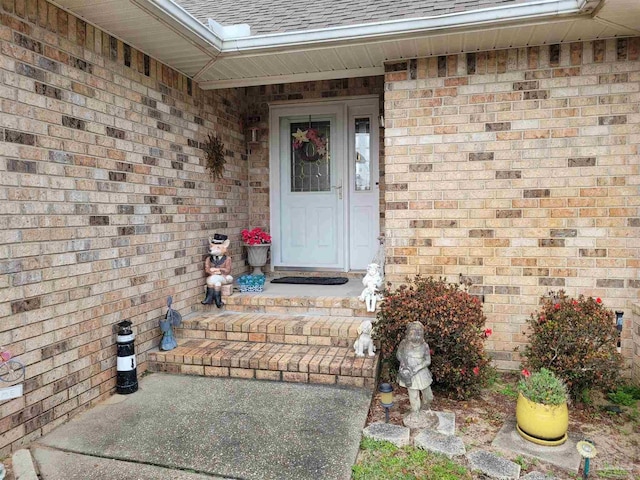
(454, 330)
(576, 339)
(626, 395)
(543, 387)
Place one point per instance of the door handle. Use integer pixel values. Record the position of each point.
(339, 189)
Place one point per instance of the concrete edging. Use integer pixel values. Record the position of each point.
(23, 466)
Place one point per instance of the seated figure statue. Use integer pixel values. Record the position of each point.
(372, 283)
(415, 358)
(218, 268)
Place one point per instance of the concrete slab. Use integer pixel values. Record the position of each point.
(564, 456)
(493, 465)
(396, 434)
(226, 427)
(57, 465)
(439, 443)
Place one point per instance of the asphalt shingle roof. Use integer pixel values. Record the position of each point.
(293, 15)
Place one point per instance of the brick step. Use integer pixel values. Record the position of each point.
(267, 361)
(271, 328)
(307, 305)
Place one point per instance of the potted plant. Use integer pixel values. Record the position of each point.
(542, 415)
(257, 242)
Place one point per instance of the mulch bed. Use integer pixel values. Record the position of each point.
(617, 436)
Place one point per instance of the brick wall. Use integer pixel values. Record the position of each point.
(258, 99)
(105, 204)
(518, 168)
(634, 324)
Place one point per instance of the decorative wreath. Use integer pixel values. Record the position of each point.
(309, 145)
(214, 156)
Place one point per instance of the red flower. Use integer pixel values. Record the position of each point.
(255, 237)
(598, 300)
(476, 371)
(557, 306)
(488, 332)
(574, 302)
(463, 371)
(526, 373)
(431, 351)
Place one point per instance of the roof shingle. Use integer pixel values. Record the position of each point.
(277, 16)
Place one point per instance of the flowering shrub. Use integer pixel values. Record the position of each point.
(543, 387)
(576, 339)
(255, 237)
(454, 330)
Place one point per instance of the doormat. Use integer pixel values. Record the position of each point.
(312, 280)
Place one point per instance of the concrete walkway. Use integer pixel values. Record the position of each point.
(191, 428)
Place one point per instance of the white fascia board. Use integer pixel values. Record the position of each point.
(230, 31)
(489, 16)
(184, 20)
(296, 77)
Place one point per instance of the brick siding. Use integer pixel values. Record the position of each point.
(105, 204)
(634, 324)
(519, 168)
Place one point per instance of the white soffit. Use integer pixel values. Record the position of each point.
(148, 30)
(620, 15)
(369, 58)
(165, 31)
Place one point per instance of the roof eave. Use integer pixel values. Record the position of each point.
(389, 29)
(170, 12)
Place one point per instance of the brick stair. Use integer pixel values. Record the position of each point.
(308, 305)
(280, 347)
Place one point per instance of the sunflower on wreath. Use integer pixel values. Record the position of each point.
(309, 144)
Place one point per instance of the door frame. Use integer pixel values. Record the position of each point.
(291, 109)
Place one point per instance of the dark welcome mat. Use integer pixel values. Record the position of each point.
(312, 280)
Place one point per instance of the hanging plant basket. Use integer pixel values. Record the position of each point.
(214, 156)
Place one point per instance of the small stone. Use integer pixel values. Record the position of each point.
(493, 465)
(396, 434)
(537, 476)
(433, 441)
(420, 419)
(447, 423)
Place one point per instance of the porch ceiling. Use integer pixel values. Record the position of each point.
(167, 32)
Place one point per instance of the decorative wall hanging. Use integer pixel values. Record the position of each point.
(214, 156)
(309, 145)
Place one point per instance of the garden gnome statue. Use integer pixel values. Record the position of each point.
(372, 282)
(415, 358)
(172, 319)
(218, 268)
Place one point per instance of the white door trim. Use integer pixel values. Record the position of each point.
(340, 108)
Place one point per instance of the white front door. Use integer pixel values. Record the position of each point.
(324, 191)
(311, 201)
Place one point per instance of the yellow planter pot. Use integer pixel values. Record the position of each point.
(542, 424)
